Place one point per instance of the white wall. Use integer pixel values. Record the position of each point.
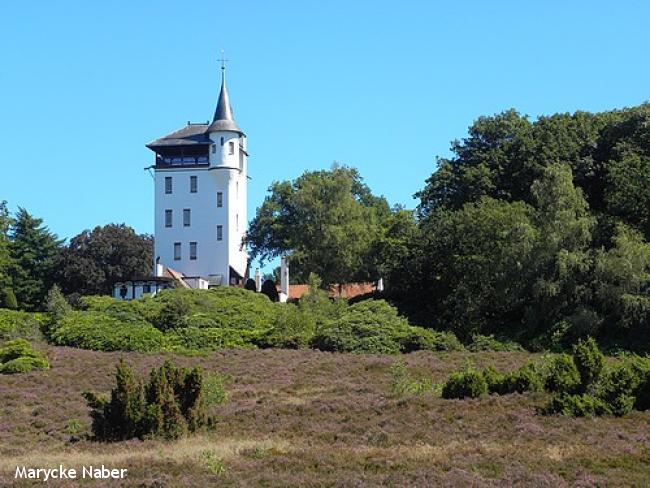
(223, 175)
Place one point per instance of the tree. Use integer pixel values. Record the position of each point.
(94, 260)
(269, 289)
(33, 248)
(326, 220)
(7, 264)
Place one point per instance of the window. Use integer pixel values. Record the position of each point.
(231, 147)
(193, 251)
(214, 148)
(222, 141)
(237, 222)
(193, 184)
(146, 288)
(168, 184)
(186, 217)
(219, 199)
(220, 232)
(177, 251)
(168, 218)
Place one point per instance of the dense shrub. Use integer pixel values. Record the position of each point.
(466, 384)
(419, 339)
(210, 339)
(8, 299)
(563, 376)
(102, 332)
(489, 343)
(18, 356)
(589, 362)
(292, 328)
(171, 404)
(526, 378)
(616, 388)
(15, 324)
(372, 326)
(581, 405)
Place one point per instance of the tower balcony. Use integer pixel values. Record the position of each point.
(176, 161)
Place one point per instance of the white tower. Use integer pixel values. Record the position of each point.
(200, 198)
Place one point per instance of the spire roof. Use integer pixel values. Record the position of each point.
(223, 116)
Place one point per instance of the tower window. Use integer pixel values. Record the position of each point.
(214, 148)
(222, 141)
(186, 217)
(168, 218)
(220, 232)
(193, 251)
(237, 222)
(219, 199)
(193, 184)
(177, 251)
(168, 184)
(231, 147)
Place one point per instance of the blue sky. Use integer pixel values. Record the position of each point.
(382, 86)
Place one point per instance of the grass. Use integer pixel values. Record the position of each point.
(309, 418)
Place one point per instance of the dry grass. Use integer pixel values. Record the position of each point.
(308, 418)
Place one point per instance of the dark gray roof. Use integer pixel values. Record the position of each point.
(223, 116)
(190, 135)
(197, 134)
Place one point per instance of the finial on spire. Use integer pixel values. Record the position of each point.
(223, 61)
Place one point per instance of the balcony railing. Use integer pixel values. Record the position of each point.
(181, 160)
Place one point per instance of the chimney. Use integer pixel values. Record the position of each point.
(258, 280)
(284, 279)
(158, 270)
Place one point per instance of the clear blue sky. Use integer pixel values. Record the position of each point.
(382, 86)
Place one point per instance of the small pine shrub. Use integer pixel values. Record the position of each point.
(616, 388)
(589, 362)
(527, 378)
(402, 383)
(171, 404)
(18, 356)
(563, 376)
(214, 390)
(465, 384)
(55, 302)
(581, 405)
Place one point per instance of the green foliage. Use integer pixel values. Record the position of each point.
(589, 362)
(563, 376)
(489, 343)
(18, 356)
(527, 378)
(8, 299)
(100, 331)
(55, 303)
(292, 328)
(15, 324)
(577, 405)
(171, 404)
(174, 312)
(617, 387)
(327, 221)
(465, 384)
(94, 260)
(374, 326)
(214, 390)
(402, 383)
(33, 248)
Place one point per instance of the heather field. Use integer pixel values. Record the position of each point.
(312, 418)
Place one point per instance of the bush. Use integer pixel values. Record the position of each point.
(169, 405)
(617, 387)
(563, 376)
(18, 356)
(526, 378)
(583, 405)
(489, 343)
(403, 383)
(589, 362)
(465, 384)
(371, 326)
(292, 328)
(209, 339)
(16, 324)
(419, 339)
(101, 332)
(214, 390)
(8, 299)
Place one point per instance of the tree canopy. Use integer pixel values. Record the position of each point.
(327, 221)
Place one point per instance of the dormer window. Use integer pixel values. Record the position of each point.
(231, 147)
(222, 141)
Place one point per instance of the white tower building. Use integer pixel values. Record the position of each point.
(200, 199)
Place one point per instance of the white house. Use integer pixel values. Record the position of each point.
(200, 203)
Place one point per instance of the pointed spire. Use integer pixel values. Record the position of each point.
(223, 115)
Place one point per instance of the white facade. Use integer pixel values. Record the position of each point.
(200, 202)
